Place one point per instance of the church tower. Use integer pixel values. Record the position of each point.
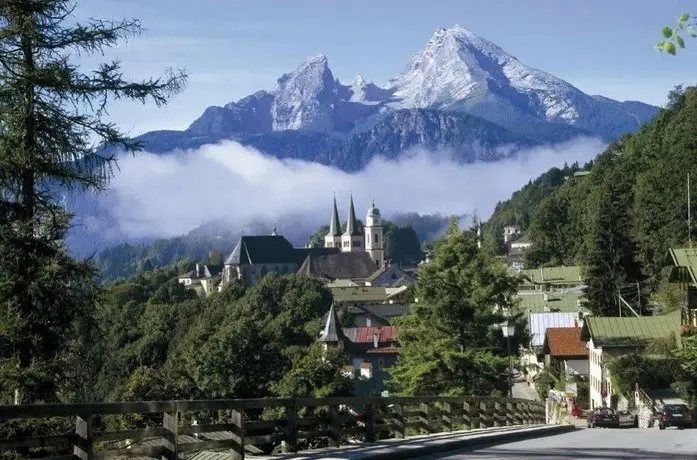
(352, 239)
(333, 238)
(374, 241)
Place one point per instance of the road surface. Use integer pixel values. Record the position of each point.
(522, 390)
(596, 444)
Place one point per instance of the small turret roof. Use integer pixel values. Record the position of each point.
(332, 330)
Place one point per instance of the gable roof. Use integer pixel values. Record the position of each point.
(386, 334)
(538, 323)
(540, 302)
(565, 342)
(552, 275)
(686, 259)
(630, 331)
(339, 265)
(270, 249)
(262, 249)
(391, 274)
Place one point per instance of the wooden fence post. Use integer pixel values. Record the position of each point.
(170, 422)
(83, 448)
(467, 415)
(425, 418)
(334, 427)
(291, 444)
(238, 433)
(518, 413)
(447, 418)
(369, 422)
(510, 418)
(483, 415)
(401, 421)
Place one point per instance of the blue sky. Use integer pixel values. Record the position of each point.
(232, 48)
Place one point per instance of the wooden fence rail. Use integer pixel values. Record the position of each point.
(167, 429)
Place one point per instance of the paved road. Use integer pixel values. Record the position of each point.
(596, 444)
(522, 390)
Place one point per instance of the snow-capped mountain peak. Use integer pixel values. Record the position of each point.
(458, 65)
(303, 98)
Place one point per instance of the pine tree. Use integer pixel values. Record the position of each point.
(53, 136)
(610, 251)
(451, 342)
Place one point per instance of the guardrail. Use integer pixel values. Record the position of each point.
(166, 428)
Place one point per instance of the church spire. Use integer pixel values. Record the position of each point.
(352, 223)
(334, 225)
(332, 332)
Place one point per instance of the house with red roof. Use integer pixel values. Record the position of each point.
(565, 352)
(373, 349)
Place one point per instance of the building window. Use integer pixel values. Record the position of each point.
(357, 244)
(376, 239)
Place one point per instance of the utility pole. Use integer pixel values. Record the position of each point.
(619, 302)
(689, 214)
(638, 292)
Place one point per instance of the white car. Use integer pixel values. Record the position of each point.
(626, 419)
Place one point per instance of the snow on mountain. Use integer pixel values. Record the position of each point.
(304, 99)
(458, 64)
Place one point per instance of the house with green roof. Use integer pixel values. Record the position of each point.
(550, 278)
(608, 337)
(540, 302)
(684, 273)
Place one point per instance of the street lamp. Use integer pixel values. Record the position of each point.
(508, 330)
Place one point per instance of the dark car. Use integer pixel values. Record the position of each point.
(603, 417)
(677, 415)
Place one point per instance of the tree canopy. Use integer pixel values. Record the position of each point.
(451, 342)
(53, 133)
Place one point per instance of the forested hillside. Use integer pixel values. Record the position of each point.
(620, 219)
(157, 340)
(520, 208)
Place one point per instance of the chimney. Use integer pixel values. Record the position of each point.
(375, 340)
(198, 271)
(542, 274)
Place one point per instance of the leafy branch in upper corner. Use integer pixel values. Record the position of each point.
(672, 37)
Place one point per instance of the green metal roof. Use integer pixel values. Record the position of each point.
(686, 258)
(630, 331)
(552, 275)
(540, 302)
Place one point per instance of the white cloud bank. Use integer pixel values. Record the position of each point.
(167, 195)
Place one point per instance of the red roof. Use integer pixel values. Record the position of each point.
(565, 342)
(385, 334)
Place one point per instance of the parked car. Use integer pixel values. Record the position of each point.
(626, 419)
(603, 417)
(677, 415)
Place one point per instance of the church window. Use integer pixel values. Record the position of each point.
(376, 239)
(368, 238)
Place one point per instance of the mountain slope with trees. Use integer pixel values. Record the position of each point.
(619, 220)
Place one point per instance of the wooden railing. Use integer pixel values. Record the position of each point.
(167, 428)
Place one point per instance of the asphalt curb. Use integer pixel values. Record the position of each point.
(469, 441)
